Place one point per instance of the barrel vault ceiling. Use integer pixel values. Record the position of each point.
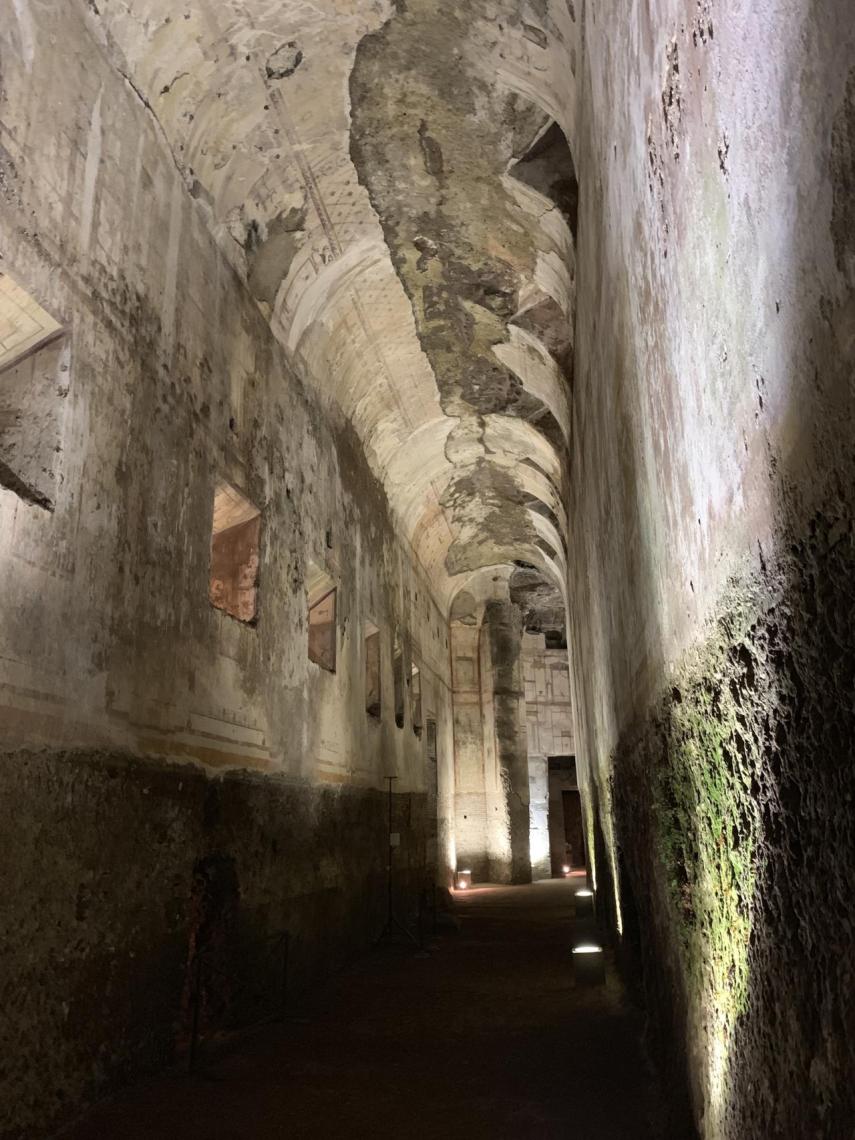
(394, 183)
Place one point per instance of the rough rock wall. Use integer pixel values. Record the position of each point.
(711, 504)
(117, 872)
(740, 786)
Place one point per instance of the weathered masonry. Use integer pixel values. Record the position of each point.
(460, 394)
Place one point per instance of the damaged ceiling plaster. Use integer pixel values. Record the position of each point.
(395, 185)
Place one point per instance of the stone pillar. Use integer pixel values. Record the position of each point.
(538, 785)
(503, 627)
(469, 730)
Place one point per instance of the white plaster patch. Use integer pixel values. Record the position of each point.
(90, 176)
(173, 251)
(25, 29)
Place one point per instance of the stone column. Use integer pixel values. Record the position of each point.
(503, 626)
(469, 729)
(538, 783)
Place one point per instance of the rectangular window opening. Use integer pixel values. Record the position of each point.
(235, 554)
(321, 595)
(33, 382)
(372, 670)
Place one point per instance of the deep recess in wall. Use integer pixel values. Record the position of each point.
(235, 554)
(34, 381)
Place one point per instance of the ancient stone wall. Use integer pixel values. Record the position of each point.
(549, 711)
(173, 384)
(170, 382)
(712, 475)
(124, 877)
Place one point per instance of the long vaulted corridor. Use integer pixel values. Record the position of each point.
(481, 1037)
(426, 481)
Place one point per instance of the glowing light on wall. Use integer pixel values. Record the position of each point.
(588, 815)
(608, 832)
(618, 913)
(592, 848)
(450, 839)
(539, 843)
(718, 1068)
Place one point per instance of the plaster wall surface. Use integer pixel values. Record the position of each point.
(711, 508)
(174, 383)
(110, 653)
(538, 810)
(549, 711)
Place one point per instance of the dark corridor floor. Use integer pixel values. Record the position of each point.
(485, 1038)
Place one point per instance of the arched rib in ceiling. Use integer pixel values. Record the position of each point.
(463, 413)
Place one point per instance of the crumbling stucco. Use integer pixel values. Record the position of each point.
(433, 137)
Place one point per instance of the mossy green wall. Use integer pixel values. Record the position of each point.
(712, 475)
(734, 815)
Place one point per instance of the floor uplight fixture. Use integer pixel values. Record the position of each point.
(464, 880)
(589, 965)
(584, 903)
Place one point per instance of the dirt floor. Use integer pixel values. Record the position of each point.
(485, 1037)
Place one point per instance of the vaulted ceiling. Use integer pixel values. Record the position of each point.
(394, 182)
